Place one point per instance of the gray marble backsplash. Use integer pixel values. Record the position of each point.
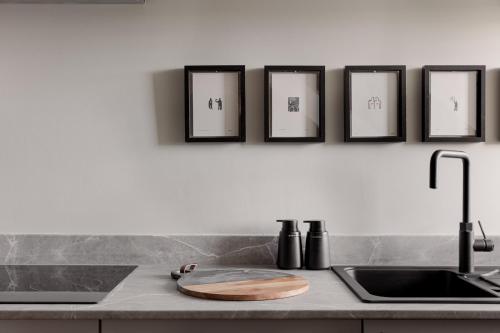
(226, 250)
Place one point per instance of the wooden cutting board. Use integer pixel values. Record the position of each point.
(241, 284)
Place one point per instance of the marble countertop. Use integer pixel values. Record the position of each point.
(150, 293)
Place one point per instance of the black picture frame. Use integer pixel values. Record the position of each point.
(401, 111)
(268, 70)
(480, 103)
(188, 70)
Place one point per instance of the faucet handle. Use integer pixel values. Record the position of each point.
(485, 244)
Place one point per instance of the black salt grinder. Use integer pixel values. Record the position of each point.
(289, 246)
(317, 246)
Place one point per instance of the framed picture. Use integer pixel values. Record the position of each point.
(294, 98)
(453, 103)
(214, 103)
(375, 103)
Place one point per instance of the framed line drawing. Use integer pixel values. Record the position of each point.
(294, 98)
(214, 103)
(453, 103)
(375, 103)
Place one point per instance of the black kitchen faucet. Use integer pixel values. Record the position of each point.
(466, 243)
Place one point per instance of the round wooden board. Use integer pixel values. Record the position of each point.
(241, 284)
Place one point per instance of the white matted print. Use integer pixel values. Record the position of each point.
(374, 104)
(295, 104)
(453, 104)
(215, 104)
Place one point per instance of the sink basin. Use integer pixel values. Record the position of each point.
(418, 285)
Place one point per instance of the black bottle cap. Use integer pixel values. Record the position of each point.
(289, 225)
(316, 225)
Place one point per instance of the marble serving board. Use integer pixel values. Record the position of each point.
(241, 284)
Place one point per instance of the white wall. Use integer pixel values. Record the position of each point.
(91, 118)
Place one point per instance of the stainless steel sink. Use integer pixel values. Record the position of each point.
(420, 284)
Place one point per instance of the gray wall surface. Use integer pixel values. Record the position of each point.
(91, 118)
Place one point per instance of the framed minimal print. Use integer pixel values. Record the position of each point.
(294, 103)
(214, 103)
(375, 103)
(453, 103)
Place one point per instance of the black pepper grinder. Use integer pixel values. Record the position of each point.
(317, 246)
(289, 246)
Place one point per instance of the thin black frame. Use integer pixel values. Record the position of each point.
(401, 112)
(320, 70)
(187, 102)
(480, 103)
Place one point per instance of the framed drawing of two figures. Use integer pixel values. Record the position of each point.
(214, 103)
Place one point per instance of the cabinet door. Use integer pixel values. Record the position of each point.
(49, 326)
(431, 326)
(231, 326)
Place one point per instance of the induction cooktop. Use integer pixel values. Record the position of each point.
(59, 283)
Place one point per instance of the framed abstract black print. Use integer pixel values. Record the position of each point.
(214, 103)
(294, 98)
(375, 103)
(453, 103)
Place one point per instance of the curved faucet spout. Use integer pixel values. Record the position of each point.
(466, 166)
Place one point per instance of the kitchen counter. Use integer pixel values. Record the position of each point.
(150, 293)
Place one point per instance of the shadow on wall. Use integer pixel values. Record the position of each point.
(414, 105)
(169, 106)
(334, 105)
(492, 121)
(255, 105)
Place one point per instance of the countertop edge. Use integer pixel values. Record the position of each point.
(254, 315)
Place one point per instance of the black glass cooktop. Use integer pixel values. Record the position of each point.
(59, 283)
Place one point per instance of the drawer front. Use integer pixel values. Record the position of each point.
(49, 326)
(431, 326)
(231, 326)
